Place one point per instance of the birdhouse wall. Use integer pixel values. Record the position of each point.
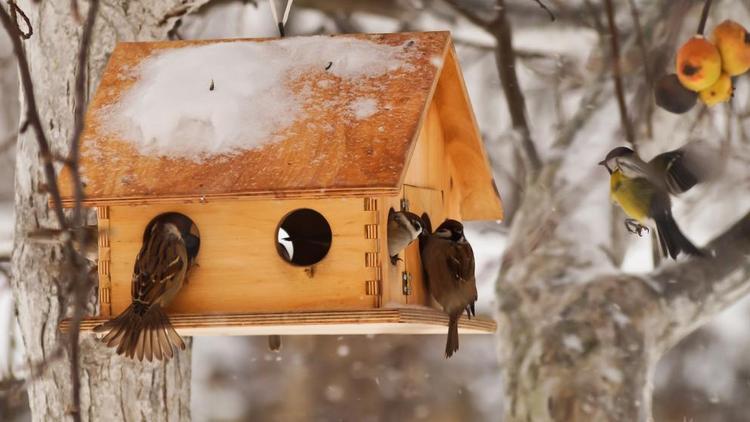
(429, 188)
(239, 268)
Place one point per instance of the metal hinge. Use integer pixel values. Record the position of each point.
(404, 204)
(406, 283)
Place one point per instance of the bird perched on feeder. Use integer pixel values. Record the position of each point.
(642, 189)
(448, 262)
(404, 227)
(170, 245)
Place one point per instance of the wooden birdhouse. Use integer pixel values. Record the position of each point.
(287, 154)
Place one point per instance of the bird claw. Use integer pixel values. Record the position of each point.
(395, 259)
(635, 227)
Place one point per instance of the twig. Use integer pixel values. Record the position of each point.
(32, 115)
(14, 12)
(176, 12)
(546, 9)
(617, 74)
(506, 66)
(704, 17)
(81, 285)
(75, 10)
(646, 68)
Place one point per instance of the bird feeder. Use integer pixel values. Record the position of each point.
(292, 222)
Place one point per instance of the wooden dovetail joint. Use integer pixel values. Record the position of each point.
(371, 259)
(103, 262)
(371, 204)
(104, 296)
(371, 231)
(373, 288)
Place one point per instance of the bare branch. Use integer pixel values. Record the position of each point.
(635, 16)
(617, 74)
(81, 287)
(694, 291)
(546, 9)
(14, 12)
(506, 66)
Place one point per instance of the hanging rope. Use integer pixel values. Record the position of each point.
(280, 22)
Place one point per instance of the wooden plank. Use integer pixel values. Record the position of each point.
(431, 202)
(325, 150)
(473, 183)
(376, 321)
(194, 198)
(239, 269)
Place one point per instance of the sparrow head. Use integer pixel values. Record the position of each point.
(183, 225)
(611, 161)
(451, 229)
(408, 221)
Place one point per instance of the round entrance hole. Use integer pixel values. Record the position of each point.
(303, 237)
(184, 224)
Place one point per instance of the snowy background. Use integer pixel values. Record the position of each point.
(388, 378)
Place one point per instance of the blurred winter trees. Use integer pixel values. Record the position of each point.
(560, 232)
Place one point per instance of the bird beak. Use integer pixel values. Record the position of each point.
(604, 163)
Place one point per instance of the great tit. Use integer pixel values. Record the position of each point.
(448, 262)
(404, 227)
(143, 330)
(642, 189)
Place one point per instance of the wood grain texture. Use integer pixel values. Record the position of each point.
(239, 269)
(376, 321)
(473, 182)
(325, 150)
(431, 202)
(425, 136)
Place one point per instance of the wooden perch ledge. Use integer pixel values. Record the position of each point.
(373, 321)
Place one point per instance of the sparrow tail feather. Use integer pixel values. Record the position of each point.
(451, 345)
(142, 332)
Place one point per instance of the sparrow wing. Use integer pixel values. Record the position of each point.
(161, 265)
(461, 262)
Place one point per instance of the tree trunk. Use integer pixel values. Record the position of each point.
(113, 388)
(580, 341)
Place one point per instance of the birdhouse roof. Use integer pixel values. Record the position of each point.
(294, 117)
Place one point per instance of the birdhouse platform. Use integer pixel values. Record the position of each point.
(288, 155)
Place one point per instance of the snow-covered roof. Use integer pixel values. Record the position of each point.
(293, 117)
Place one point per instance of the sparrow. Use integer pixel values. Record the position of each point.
(448, 264)
(403, 229)
(642, 189)
(170, 245)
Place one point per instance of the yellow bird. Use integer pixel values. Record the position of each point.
(642, 189)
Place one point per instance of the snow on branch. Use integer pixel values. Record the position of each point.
(694, 291)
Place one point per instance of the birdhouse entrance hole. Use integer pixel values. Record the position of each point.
(193, 240)
(303, 237)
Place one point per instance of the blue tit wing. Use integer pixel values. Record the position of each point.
(676, 171)
(633, 167)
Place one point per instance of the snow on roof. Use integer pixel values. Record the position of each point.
(200, 101)
(179, 120)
